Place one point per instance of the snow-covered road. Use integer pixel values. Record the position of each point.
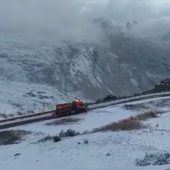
(89, 121)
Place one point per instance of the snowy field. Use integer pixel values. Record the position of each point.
(22, 98)
(111, 150)
(89, 121)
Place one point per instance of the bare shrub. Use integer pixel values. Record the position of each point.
(85, 141)
(68, 133)
(65, 121)
(56, 138)
(63, 134)
(46, 138)
(20, 113)
(125, 124)
(159, 158)
(11, 136)
(10, 115)
(147, 115)
(3, 115)
(131, 123)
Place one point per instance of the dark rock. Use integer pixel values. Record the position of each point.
(17, 154)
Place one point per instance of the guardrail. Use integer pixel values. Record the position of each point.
(6, 125)
(130, 99)
(25, 116)
(30, 115)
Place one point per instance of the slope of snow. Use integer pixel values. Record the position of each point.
(26, 97)
(91, 120)
(103, 150)
(161, 103)
(18, 98)
(94, 70)
(97, 117)
(123, 148)
(158, 99)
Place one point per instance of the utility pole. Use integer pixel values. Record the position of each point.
(65, 81)
(95, 58)
(65, 77)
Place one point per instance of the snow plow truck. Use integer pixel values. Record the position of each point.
(68, 109)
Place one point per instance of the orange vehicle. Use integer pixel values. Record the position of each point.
(66, 109)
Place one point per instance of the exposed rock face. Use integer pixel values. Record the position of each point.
(128, 65)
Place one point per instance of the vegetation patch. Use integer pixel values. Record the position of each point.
(126, 124)
(65, 121)
(147, 115)
(12, 136)
(21, 114)
(112, 97)
(63, 134)
(132, 123)
(160, 158)
(107, 99)
(46, 138)
(3, 115)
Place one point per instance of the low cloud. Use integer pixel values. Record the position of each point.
(63, 20)
(43, 20)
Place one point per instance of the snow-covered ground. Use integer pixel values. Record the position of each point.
(109, 150)
(89, 121)
(25, 98)
(162, 103)
(19, 98)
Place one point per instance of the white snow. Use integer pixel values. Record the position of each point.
(111, 150)
(134, 82)
(163, 122)
(123, 147)
(149, 100)
(23, 97)
(91, 120)
(94, 118)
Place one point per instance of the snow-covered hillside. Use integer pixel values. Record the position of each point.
(91, 56)
(19, 98)
(98, 151)
(117, 62)
(127, 65)
(89, 49)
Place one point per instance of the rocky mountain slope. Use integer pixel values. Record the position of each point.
(123, 66)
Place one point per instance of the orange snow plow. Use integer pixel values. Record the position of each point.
(66, 109)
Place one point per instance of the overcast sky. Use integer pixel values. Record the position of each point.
(71, 19)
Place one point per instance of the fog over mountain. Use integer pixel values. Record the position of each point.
(104, 46)
(72, 20)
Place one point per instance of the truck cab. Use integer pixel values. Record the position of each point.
(78, 104)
